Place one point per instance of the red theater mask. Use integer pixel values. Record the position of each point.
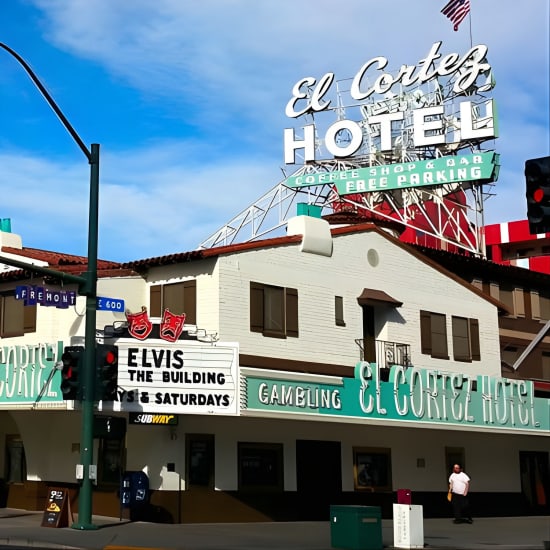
(139, 325)
(171, 326)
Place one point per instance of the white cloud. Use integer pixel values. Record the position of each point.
(228, 67)
(170, 207)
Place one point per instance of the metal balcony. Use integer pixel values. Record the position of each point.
(387, 354)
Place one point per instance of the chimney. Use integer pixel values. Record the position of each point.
(7, 238)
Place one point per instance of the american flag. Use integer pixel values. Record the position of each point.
(456, 11)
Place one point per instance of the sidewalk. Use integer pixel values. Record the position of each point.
(19, 528)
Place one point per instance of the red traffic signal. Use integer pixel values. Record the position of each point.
(70, 373)
(106, 372)
(537, 192)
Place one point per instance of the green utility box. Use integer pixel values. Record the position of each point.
(356, 527)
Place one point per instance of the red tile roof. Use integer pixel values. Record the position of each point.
(141, 265)
(66, 263)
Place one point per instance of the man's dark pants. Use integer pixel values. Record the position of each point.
(461, 507)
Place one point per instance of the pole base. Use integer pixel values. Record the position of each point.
(84, 526)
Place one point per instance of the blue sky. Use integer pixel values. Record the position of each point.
(187, 100)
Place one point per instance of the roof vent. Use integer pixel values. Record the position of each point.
(316, 236)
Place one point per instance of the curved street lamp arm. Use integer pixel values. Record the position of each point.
(50, 101)
(87, 287)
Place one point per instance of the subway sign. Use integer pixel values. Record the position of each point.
(149, 419)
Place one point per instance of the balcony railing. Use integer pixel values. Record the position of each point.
(387, 353)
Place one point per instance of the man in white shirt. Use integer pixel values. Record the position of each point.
(459, 484)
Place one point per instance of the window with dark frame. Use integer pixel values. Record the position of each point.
(16, 319)
(506, 296)
(273, 310)
(15, 465)
(372, 470)
(110, 462)
(544, 304)
(200, 452)
(433, 334)
(178, 298)
(260, 466)
(465, 339)
(339, 311)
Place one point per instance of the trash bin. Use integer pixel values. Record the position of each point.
(356, 527)
(408, 526)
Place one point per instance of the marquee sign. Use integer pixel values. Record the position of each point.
(185, 377)
(435, 103)
(435, 398)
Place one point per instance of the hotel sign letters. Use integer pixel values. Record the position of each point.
(28, 375)
(410, 395)
(388, 102)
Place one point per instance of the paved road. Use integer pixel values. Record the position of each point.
(22, 529)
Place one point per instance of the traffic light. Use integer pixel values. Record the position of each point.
(537, 182)
(72, 360)
(106, 372)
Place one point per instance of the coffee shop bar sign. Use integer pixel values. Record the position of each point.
(32, 295)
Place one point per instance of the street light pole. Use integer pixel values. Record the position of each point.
(87, 436)
(88, 288)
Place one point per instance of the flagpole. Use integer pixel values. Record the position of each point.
(470, 24)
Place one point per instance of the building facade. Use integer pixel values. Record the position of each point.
(327, 366)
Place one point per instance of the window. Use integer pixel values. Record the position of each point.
(465, 339)
(506, 296)
(513, 298)
(509, 356)
(260, 466)
(433, 334)
(273, 310)
(177, 297)
(15, 466)
(545, 366)
(110, 462)
(339, 311)
(544, 298)
(16, 319)
(372, 468)
(111, 433)
(200, 460)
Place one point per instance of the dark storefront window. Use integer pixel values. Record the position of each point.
(260, 466)
(200, 460)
